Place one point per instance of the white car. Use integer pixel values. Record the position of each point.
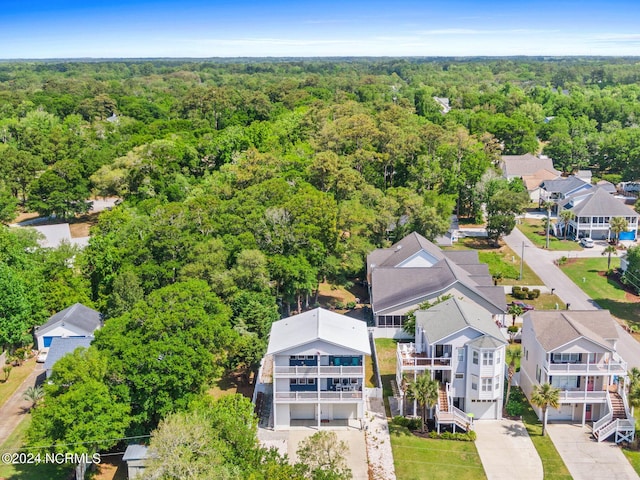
(42, 356)
(587, 242)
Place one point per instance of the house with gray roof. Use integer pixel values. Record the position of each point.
(560, 188)
(592, 211)
(74, 321)
(136, 457)
(414, 271)
(62, 346)
(314, 370)
(459, 344)
(575, 351)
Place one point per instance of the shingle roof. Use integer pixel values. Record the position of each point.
(453, 315)
(319, 324)
(602, 203)
(534, 180)
(392, 286)
(527, 164)
(556, 328)
(62, 346)
(83, 318)
(564, 185)
(487, 341)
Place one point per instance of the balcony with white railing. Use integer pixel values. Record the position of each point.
(583, 396)
(409, 359)
(346, 396)
(319, 371)
(612, 367)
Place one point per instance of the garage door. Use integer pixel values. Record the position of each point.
(483, 410)
(344, 412)
(303, 412)
(47, 341)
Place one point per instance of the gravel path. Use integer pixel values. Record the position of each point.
(378, 441)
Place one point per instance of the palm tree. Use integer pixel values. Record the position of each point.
(545, 396)
(617, 225)
(634, 387)
(566, 216)
(424, 390)
(512, 355)
(548, 205)
(34, 394)
(515, 311)
(609, 250)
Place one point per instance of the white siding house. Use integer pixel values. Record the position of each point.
(76, 321)
(459, 344)
(317, 365)
(575, 351)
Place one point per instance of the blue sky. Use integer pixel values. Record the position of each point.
(197, 28)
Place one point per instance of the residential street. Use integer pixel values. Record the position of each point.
(541, 262)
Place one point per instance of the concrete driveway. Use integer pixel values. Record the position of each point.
(587, 459)
(506, 451)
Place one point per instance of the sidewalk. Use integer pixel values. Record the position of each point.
(378, 440)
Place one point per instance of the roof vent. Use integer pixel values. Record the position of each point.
(398, 247)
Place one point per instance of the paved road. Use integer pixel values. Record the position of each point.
(541, 262)
(506, 450)
(13, 410)
(587, 459)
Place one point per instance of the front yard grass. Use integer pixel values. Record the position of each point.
(500, 260)
(16, 377)
(423, 458)
(28, 471)
(418, 458)
(545, 301)
(534, 230)
(633, 455)
(589, 275)
(552, 464)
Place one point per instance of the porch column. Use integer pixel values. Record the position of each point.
(318, 410)
(584, 413)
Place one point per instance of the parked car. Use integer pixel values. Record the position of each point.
(587, 242)
(42, 355)
(524, 306)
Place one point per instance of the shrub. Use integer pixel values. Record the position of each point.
(351, 305)
(531, 295)
(513, 329)
(400, 421)
(537, 292)
(472, 435)
(433, 434)
(520, 294)
(339, 305)
(515, 290)
(514, 408)
(414, 424)
(525, 289)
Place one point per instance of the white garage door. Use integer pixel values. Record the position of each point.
(564, 413)
(303, 412)
(344, 412)
(483, 410)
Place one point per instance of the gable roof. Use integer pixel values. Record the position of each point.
(391, 285)
(534, 180)
(319, 324)
(564, 185)
(62, 346)
(555, 328)
(86, 320)
(135, 452)
(527, 164)
(453, 315)
(602, 203)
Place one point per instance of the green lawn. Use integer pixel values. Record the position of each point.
(424, 458)
(634, 455)
(16, 377)
(534, 231)
(588, 274)
(28, 472)
(552, 464)
(545, 301)
(417, 458)
(499, 260)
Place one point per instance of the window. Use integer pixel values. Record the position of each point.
(496, 382)
(497, 358)
(487, 384)
(565, 358)
(474, 382)
(336, 381)
(391, 321)
(311, 381)
(475, 357)
(461, 355)
(311, 357)
(459, 376)
(302, 381)
(293, 381)
(537, 373)
(487, 358)
(354, 380)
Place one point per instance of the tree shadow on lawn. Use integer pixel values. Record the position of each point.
(623, 310)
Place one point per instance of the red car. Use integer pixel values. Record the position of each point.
(524, 306)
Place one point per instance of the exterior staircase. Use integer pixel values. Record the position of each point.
(448, 414)
(616, 421)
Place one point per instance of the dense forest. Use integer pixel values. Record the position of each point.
(244, 184)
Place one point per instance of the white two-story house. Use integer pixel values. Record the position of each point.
(575, 351)
(315, 364)
(459, 344)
